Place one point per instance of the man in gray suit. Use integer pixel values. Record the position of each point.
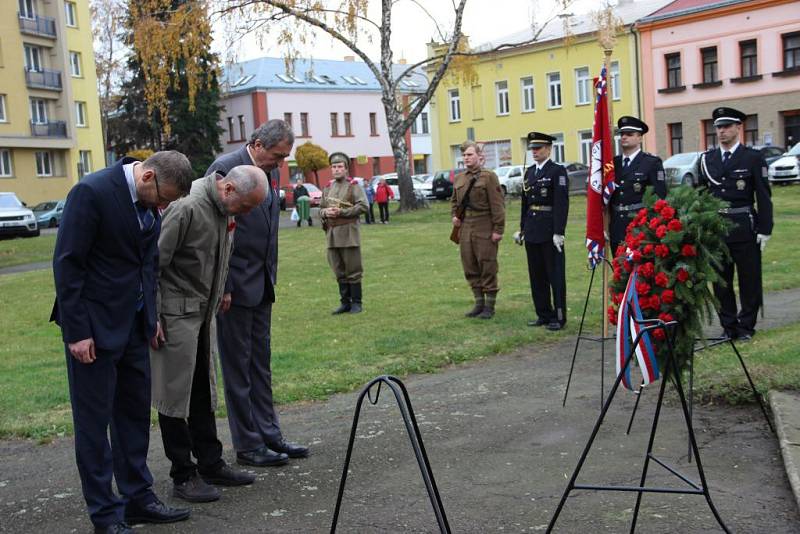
(243, 324)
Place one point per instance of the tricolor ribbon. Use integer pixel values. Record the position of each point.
(627, 330)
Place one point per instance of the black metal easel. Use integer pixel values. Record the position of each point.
(410, 420)
(602, 339)
(670, 370)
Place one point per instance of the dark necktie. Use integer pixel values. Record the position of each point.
(539, 171)
(626, 162)
(145, 216)
(726, 156)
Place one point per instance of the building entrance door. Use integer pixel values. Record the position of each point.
(791, 126)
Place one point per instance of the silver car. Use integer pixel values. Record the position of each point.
(15, 218)
(682, 169)
(786, 169)
(510, 178)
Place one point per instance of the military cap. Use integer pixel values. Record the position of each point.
(631, 124)
(339, 157)
(539, 139)
(723, 116)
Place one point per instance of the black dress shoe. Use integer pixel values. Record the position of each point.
(293, 450)
(195, 489)
(227, 476)
(537, 322)
(116, 528)
(262, 457)
(554, 326)
(154, 512)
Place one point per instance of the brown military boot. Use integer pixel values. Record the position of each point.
(478, 308)
(488, 307)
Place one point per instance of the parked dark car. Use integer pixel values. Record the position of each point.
(578, 174)
(443, 183)
(770, 152)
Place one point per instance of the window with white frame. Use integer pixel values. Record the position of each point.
(75, 64)
(71, 14)
(455, 105)
(5, 162)
(586, 146)
(526, 88)
(617, 145)
(557, 154)
(38, 111)
(554, 90)
(44, 163)
(423, 117)
(501, 89)
(26, 9)
(616, 90)
(84, 162)
(33, 58)
(3, 116)
(80, 113)
(583, 86)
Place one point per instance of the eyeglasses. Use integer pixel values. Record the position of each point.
(161, 200)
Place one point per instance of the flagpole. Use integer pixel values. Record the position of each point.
(607, 246)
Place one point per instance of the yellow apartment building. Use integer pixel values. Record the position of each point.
(50, 129)
(546, 86)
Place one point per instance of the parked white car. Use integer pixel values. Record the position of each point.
(510, 177)
(423, 185)
(786, 169)
(16, 219)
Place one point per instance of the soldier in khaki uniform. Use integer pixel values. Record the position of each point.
(481, 228)
(340, 208)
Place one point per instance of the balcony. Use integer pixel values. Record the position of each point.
(49, 129)
(43, 79)
(39, 26)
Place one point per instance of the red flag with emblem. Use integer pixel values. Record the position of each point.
(601, 174)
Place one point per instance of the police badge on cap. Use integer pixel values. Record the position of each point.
(539, 139)
(723, 116)
(339, 157)
(631, 124)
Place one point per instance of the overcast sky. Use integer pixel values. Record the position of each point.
(411, 29)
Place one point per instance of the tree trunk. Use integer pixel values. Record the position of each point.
(408, 201)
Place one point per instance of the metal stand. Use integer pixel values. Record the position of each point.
(694, 488)
(602, 339)
(410, 420)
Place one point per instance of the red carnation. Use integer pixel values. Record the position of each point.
(655, 222)
(667, 213)
(668, 296)
(662, 279)
(662, 251)
(231, 226)
(648, 249)
(616, 298)
(689, 250)
(661, 231)
(636, 256)
(659, 334)
(617, 276)
(642, 213)
(612, 315)
(683, 275)
(675, 225)
(628, 266)
(660, 204)
(630, 227)
(643, 288)
(655, 302)
(620, 250)
(666, 317)
(647, 270)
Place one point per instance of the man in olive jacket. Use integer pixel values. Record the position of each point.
(194, 252)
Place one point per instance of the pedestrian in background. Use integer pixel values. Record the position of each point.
(302, 201)
(369, 191)
(382, 196)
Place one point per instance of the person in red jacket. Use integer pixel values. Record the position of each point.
(382, 195)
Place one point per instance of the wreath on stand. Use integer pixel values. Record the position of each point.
(673, 250)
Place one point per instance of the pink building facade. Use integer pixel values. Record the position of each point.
(700, 54)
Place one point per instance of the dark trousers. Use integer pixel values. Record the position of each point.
(244, 347)
(746, 259)
(112, 391)
(546, 272)
(196, 435)
(384, 209)
(369, 215)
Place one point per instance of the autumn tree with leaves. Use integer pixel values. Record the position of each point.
(311, 158)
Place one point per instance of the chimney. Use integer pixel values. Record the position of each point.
(351, 59)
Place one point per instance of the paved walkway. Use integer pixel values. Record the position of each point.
(501, 446)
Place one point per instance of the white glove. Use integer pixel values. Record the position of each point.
(762, 239)
(558, 242)
(518, 238)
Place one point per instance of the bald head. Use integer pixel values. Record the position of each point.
(242, 189)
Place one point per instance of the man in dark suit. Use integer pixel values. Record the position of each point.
(105, 268)
(243, 324)
(738, 175)
(634, 171)
(543, 220)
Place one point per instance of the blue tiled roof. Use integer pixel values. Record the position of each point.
(312, 75)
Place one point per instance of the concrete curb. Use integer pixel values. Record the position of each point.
(786, 412)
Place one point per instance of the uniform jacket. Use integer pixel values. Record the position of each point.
(645, 170)
(383, 193)
(548, 188)
(486, 206)
(194, 250)
(254, 263)
(344, 235)
(102, 260)
(742, 183)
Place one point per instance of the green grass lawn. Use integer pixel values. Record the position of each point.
(26, 250)
(414, 296)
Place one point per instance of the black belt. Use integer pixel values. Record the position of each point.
(629, 207)
(736, 211)
(540, 208)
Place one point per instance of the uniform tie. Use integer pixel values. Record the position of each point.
(626, 162)
(725, 157)
(145, 216)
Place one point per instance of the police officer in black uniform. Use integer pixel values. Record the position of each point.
(634, 170)
(738, 175)
(545, 204)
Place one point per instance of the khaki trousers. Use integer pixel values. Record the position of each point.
(346, 264)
